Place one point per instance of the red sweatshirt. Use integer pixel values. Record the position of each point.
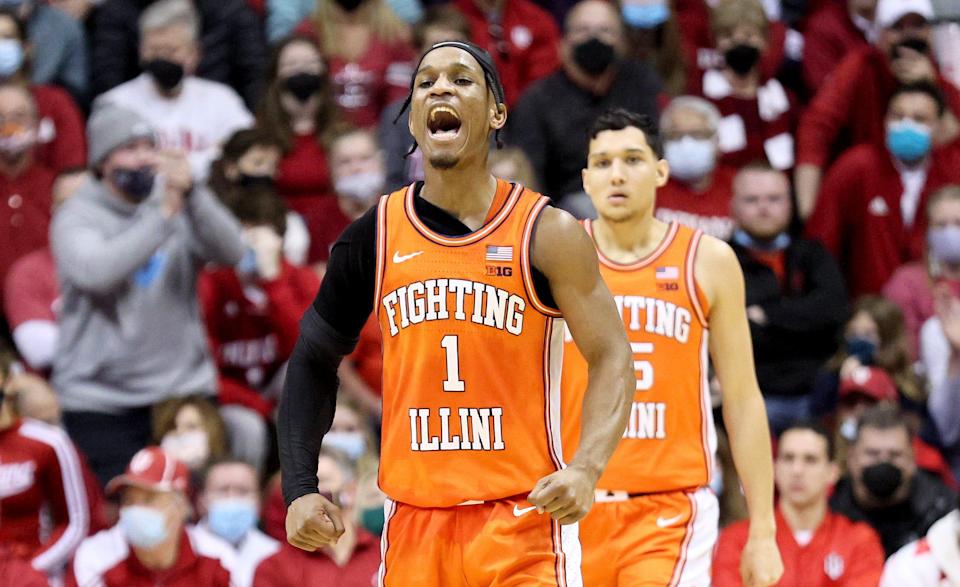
(292, 566)
(858, 214)
(303, 181)
(840, 554)
(24, 214)
(528, 49)
(833, 37)
(253, 328)
(853, 102)
(43, 503)
(61, 135)
(709, 211)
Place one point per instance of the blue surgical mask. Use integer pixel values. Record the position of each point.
(409, 11)
(861, 348)
(144, 527)
(777, 243)
(908, 140)
(248, 263)
(231, 519)
(690, 159)
(352, 444)
(944, 243)
(645, 16)
(11, 57)
(136, 183)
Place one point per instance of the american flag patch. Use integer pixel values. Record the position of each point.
(498, 253)
(668, 273)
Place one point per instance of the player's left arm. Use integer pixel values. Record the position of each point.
(564, 253)
(718, 273)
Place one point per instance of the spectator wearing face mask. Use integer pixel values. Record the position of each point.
(229, 506)
(819, 548)
(299, 107)
(191, 430)
(931, 560)
(248, 162)
(39, 472)
(835, 30)
(796, 302)
(152, 543)
(60, 140)
(551, 119)
(653, 34)
(757, 113)
(352, 562)
(870, 211)
(189, 113)
(252, 313)
(128, 247)
(882, 485)
(853, 101)
(911, 286)
(31, 293)
(25, 184)
(513, 165)
(698, 191)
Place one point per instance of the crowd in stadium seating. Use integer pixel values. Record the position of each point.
(174, 174)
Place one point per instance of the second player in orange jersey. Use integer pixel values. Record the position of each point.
(681, 299)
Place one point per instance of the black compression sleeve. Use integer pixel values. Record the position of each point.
(308, 402)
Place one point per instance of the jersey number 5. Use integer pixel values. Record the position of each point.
(452, 346)
(644, 369)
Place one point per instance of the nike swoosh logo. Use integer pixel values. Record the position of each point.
(398, 258)
(667, 522)
(519, 512)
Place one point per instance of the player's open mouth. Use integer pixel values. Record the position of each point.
(443, 123)
(617, 197)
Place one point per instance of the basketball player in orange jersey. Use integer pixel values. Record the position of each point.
(655, 519)
(468, 276)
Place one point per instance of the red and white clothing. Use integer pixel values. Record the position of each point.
(196, 121)
(870, 213)
(30, 294)
(106, 560)
(708, 211)
(911, 288)
(527, 49)
(752, 129)
(244, 559)
(60, 133)
(44, 514)
(932, 561)
(292, 566)
(839, 553)
(253, 327)
(24, 214)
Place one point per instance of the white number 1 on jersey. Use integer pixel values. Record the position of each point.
(453, 381)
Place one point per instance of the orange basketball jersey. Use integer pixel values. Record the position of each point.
(471, 357)
(669, 441)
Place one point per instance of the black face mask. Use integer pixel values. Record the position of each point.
(882, 479)
(349, 5)
(166, 73)
(303, 85)
(918, 45)
(256, 181)
(742, 58)
(136, 183)
(594, 56)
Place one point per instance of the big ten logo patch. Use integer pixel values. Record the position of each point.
(668, 286)
(495, 271)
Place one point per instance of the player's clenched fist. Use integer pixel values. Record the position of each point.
(760, 563)
(313, 521)
(566, 495)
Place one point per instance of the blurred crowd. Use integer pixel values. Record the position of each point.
(174, 174)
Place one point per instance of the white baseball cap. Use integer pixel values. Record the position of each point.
(890, 11)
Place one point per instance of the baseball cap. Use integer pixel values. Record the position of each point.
(890, 11)
(113, 126)
(152, 468)
(872, 382)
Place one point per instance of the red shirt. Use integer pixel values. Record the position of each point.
(834, 36)
(840, 554)
(44, 512)
(708, 211)
(910, 288)
(292, 566)
(24, 214)
(853, 102)
(528, 49)
(14, 571)
(858, 214)
(253, 327)
(31, 289)
(62, 142)
(303, 181)
(367, 357)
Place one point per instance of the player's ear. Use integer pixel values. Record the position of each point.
(498, 116)
(663, 172)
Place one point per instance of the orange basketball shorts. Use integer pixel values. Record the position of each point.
(503, 543)
(655, 540)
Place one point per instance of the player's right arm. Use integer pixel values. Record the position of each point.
(328, 332)
(564, 253)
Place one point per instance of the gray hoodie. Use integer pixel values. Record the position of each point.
(130, 328)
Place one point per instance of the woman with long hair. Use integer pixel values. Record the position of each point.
(299, 108)
(654, 37)
(369, 53)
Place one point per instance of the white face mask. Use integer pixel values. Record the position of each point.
(365, 186)
(352, 444)
(690, 159)
(191, 448)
